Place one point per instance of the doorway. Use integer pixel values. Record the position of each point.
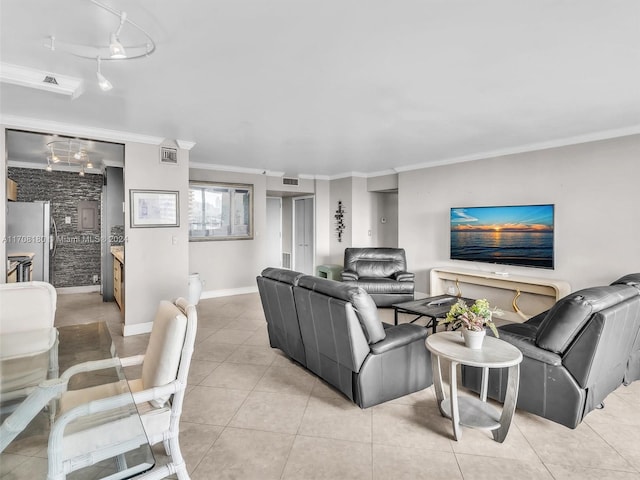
(274, 232)
(303, 235)
(69, 174)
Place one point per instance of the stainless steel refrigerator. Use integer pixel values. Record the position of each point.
(29, 231)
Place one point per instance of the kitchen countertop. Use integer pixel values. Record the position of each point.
(118, 253)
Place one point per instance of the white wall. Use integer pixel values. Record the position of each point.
(3, 213)
(361, 204)
(340, 190)
(324, 217)
(384, 205)
(156, 259)
(231, 266)
(595, 189)
(287, 225)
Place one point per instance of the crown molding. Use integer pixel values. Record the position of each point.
(234, 169)
(34, 78)
(532, 147)
(58, 168)
(185, 145)
(50, 126)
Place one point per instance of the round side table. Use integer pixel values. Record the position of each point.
(470, 411)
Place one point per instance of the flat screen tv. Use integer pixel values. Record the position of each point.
(511, 235)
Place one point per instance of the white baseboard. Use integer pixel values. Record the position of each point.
(228, 292)
(137, 329)
(83, 289)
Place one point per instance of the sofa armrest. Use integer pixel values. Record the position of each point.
(529, 349)
(404, 276)
(398, 336)
(349, 275)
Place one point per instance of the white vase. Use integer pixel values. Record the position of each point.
(195, 288)
(473, 339)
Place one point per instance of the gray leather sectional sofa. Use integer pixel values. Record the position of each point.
(575, 354)
(333, 329)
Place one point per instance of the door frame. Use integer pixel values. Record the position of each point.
(293, 230)
(279, 226)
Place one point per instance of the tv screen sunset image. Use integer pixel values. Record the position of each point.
(514, 235)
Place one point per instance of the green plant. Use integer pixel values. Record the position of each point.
(474, 317)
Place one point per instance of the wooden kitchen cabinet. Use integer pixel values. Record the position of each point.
(12, 190)
(118, 282)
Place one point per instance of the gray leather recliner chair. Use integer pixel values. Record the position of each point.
(381, 272)
(575, 354)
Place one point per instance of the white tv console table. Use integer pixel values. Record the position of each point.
(528, 295)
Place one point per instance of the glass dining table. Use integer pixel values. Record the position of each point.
(25, 433)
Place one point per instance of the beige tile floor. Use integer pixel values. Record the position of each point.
(252, 413)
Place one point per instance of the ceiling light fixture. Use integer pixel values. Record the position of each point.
(103, 83)
(69, 153)
(115, 50)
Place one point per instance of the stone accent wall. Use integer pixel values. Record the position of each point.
(77, 257)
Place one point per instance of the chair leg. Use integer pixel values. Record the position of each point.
(176, 458)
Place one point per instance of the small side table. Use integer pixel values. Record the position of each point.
(332, 272)
(470, 411)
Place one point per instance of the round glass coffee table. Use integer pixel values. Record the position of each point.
(471, 411)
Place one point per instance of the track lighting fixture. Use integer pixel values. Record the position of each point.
(105, 85)
(69, 153)
(114, 50)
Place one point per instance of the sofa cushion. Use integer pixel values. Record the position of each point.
(376, 267)
(361, 301)
(164, 349)
(384, 285)
(632, 279)
(375, 262)
(567, 317)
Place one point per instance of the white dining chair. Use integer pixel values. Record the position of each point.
(158, 395)
(28, 340)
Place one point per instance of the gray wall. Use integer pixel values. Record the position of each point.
(595, 189)
(77, 257)
(385, 205)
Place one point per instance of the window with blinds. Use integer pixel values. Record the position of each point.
(220, 211)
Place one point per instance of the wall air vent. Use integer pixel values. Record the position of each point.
(50, 79)
(169, 155)
(290, 181)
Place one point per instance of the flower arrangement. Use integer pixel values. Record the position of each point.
(474, 317)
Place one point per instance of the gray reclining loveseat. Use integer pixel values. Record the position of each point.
(333, 329)
(575, 354)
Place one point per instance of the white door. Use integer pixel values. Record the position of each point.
(274, 232)
(303, 231)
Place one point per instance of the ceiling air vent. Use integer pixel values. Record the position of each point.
(290, 181)
(169, 155)
(51, 80)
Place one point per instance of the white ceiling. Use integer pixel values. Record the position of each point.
(327, 87)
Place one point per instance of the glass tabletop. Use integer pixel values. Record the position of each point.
(77, 345)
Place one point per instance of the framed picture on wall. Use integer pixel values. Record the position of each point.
(154, 208)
